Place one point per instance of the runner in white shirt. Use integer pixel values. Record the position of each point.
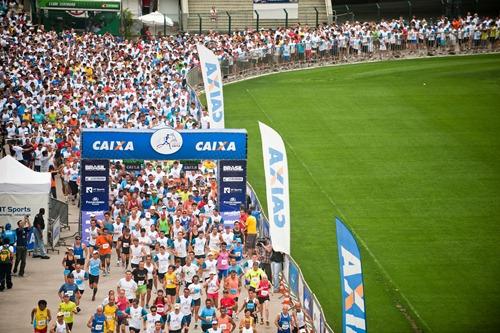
(186, 302)
(129, 285)
(162, 261)
(117, 232)
(199, 245)
(174, 319)
(137, 251)
(151, 319)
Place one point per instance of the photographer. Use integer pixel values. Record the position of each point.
(264, 250)
(22, 234)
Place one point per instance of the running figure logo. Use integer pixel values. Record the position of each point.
(166, 141)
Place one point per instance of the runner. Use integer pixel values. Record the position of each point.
(122, 303)
(97, 321)
(80, 251)
(137, 316)
(150, 279)
(215, 328)
(228, 303)
(175, 321)
(59, 326)
(152, 318)
(80, 276)
(263, 292)
(171, 284)
(40, 317)
(246, 326)
(226, 323)
(117, 233)
(68, 308)
(253, 276)
(162, 305)
(162, 260)
(124, 242)
(140, 277)
(111, 313)
(105, 242)
(232, 284)
(137, 252)
(206, 315)
(212, 288)
(284, 321)
(71, 289)
(187, 306)
(94, 269)
(195, 291)
(251, 304)
(68, 262)
(299, 319)
(128, 285)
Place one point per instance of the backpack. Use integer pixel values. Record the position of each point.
(5, 255)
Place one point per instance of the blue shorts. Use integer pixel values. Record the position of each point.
(187, 319)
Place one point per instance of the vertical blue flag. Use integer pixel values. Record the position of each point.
(351, 281)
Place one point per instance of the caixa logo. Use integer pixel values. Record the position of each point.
(113, 145)
(215, 146)
(215, 92)
(166, 141)
(277, 172)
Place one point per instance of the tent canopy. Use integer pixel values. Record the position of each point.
(156, 18)
(17, 178)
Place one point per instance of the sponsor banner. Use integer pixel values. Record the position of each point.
(85, 220)
(232, 186)
(293, 277)
(276, 174)
(79, 5)
(94, 185)
(190, 165)
(351, 281)
(307, 300)
(230, 217)
(13, 207)
(164, 144)
(212, 82)
(133, 165)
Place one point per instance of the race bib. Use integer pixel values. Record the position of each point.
(222, 326)
(223, 262)
(285, 326)
(41, 322)
(98, 327)
(77, 256)
(233, 291)
(170, 282)
(69, 293)
(109, 317)
(237, 254)
(264, 292)
(140, 283)
(160, 308)
(126, 245)
(255, 279)
(67, 314)
(209, 318)
(105, 246)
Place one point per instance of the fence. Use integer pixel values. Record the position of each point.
(260, 62)
(58, 220)
(233, 20)
(292, 277)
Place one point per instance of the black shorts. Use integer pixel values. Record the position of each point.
(200, 256)
(136, 330)
(206, 327)
(161, 276)
(149, 285)
(122, 321)
(175, 331)
(81, 291)
(197, 302)
(93, 279)
(187, 319)
(182, 259)
(263, 299)
(81, 262)
(125, 250)
(170, 291)
(104, 257)
(134, 265)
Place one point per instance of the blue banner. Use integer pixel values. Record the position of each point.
(307, 301)
(293, 278)
(232, 187)
(351, 281)
(164, 144)
(99, 216)
(94, 185)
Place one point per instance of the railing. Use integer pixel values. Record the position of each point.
(254, 64)
(292, 278)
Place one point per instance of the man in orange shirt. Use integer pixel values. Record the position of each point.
(104, 242)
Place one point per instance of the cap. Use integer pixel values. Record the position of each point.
(177, 306)
(60, 314)
(214, 322)
(95, 252)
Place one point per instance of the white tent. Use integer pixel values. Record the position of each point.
(156, 18)
(22, 191)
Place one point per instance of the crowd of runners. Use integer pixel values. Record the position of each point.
(183, 266)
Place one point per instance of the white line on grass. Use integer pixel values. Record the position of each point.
(342, 215)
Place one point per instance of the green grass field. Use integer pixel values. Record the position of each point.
(408, 154)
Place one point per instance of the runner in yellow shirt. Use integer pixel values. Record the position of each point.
(110, 310)
(40, 317)
(69, 309)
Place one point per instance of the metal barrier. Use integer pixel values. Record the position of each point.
(58, 210)
(259, 62)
